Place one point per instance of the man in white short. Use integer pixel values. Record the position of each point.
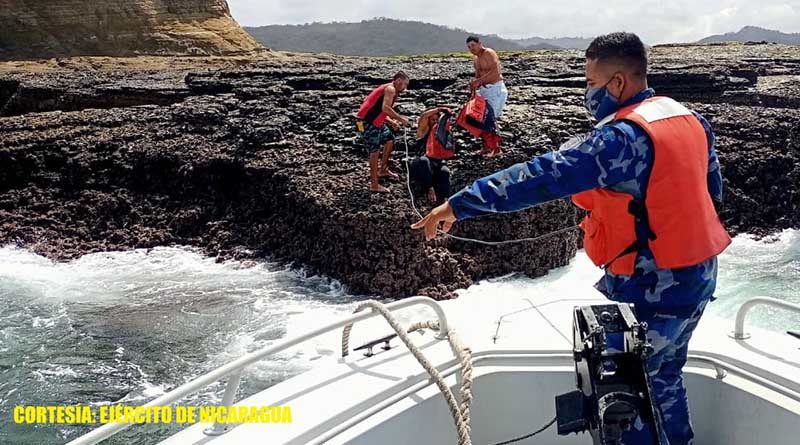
(488, 81)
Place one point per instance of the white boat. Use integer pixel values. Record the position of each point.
(744, 388)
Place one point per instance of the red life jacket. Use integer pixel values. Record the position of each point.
(476, 110)
(372, 109)
(685, 228)
(472, 116)
(440, 143)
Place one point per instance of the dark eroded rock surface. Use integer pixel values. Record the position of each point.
(263, 161)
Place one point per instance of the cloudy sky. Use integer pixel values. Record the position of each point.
(656, 21)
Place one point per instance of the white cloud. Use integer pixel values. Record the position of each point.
(656, 21)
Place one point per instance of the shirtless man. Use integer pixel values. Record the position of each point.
(488, 81)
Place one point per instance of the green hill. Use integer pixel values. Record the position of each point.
(754, 34)
(376, 37)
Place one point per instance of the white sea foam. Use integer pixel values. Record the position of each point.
(139, 323)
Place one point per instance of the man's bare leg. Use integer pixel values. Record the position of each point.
(374, 186)
(387, 156)
(491, 142)
(496, 151)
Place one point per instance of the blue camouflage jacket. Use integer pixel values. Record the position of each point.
(617, 156)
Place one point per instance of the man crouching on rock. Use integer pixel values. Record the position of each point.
(375, 117)
(429, 172)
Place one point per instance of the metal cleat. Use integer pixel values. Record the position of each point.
(370, 344)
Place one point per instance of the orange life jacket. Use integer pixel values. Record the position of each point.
(473, 119)
(685, 228)
(372, 108)
(440, 143)
(472, 116)
(476, 109)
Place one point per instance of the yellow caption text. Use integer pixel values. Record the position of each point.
(83, 414)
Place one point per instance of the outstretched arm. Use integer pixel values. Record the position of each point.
(388, 100)
(428, 113)
(423, 124)
(608, 156)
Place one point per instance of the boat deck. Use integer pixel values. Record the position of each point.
(333, 403)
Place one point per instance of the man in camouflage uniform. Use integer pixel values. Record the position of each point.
(617, 155)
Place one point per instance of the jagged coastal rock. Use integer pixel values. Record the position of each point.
(62, 28)
(263, 161)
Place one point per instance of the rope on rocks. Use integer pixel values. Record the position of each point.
(460, 413)
(465, 239)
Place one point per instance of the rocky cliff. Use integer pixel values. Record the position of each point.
(58, 28)
(263, 161)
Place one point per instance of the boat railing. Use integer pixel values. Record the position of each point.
(738, 330)
(234, 369)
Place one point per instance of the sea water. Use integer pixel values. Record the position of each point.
(125, 327)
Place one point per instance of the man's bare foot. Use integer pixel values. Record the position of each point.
(378, 188)
(431, 196)
(495, 153)
(388, 173)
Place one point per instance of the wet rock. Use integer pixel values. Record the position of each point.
(30, 93)
(264, 161)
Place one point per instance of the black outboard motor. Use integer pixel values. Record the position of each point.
(613, 387)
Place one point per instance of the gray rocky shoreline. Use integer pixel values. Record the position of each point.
(262, 161)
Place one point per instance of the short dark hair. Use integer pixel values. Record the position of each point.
(473, 39)
(621, 47)
(400, 75)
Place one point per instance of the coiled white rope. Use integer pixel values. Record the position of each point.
(460, 413)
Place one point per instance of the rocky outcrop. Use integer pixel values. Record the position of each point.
(61, 28)
(100, 90)
(264, 162)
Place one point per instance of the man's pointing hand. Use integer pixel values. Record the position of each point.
(430, 223)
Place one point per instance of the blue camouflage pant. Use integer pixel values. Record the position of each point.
(669, 331)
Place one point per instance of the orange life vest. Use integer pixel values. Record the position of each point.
(440, 143)
(685, 228)
(476, 109)
(472, 116)
(372, 108)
